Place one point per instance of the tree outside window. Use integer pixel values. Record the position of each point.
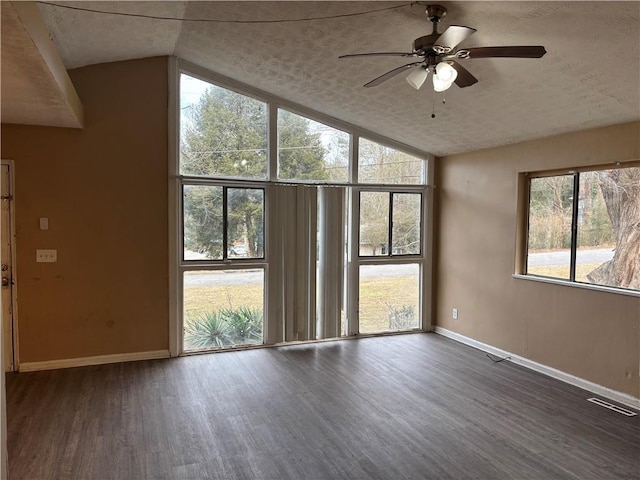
(585, 227)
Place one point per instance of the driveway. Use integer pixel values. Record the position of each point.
(249, 277)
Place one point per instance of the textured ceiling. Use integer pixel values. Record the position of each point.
(590, 76)
(34, 91)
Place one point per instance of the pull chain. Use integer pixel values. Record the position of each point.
(433, 106)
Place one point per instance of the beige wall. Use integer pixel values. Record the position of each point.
(104, 190)
(593, 335)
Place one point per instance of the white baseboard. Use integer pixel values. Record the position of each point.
(97, 360)
(620, 397)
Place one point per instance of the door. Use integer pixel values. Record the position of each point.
(6, 260)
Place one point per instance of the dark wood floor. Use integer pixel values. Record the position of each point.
(415, 406)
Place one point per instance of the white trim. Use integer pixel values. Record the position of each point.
(390, 187)
(568, 283)
(96, 360)
(616, 396)
(174, 213)
(426, 274)
(272, 142)
(353, 269)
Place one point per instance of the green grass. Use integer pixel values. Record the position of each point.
(376, 295)
(201, 300)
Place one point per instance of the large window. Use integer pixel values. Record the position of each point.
(309, 150)
(292, 234)
(222, 133)
(585, 227)
(390, 235)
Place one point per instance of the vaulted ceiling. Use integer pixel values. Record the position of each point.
(590, 76)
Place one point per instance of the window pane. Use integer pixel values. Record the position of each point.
(308, 150)
(374, 223)
(608, 228)
(245, 222)
(550, 212)
(380, 164)
(203, 222)
(406, 223)
(223, 308)
(222, 133)
(389, 297)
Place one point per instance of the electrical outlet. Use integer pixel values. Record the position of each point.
(46, 256)
(454, 313)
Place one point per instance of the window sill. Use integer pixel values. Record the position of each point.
(599, 288)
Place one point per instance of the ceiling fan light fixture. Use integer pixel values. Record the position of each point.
(417, 78)
(446, 72)
(440, 85)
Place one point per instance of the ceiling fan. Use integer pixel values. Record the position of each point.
(437, 54)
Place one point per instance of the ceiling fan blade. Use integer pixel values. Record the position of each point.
(379, 54)
(454, 35)
(382, 78)
(465, 78)
(512, 52)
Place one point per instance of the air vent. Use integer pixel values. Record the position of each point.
(613, 407)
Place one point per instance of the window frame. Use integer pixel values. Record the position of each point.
(177, 264)
(226, 259)
(391, 191)
(524, 210)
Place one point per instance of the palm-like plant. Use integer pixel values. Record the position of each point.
(245, 324)
(223, 327)
(209, 330)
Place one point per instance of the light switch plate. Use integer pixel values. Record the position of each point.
(46, 256)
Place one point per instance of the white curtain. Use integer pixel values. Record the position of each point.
(292, 242)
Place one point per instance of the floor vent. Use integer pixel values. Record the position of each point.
(613, 407)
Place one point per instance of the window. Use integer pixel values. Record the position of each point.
(389, 297)
(585, 227)
(223, 222)
(308, 150)
(381, 164)
(222, 308)
(389, 223)
(222, 133)
(293, 234)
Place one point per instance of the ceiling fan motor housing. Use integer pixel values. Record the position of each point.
(424, 45)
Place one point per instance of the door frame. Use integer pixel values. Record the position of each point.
(13, 274)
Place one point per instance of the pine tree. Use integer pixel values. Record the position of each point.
(226, 136)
